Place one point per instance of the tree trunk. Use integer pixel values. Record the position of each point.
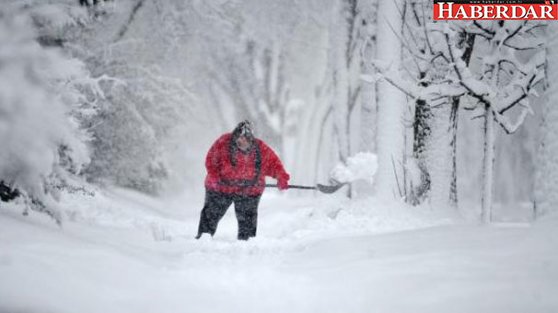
(344, 59)
(421, 130)
(439, 154)
(368, 106)
(546, 181)
(390, 137)
(488, 166)
(453, 147)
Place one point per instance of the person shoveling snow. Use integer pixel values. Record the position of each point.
(237, 164)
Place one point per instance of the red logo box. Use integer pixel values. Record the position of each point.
(496, 10)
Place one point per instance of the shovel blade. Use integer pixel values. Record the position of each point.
(330, 188)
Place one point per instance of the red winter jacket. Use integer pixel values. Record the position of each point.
(223, 176)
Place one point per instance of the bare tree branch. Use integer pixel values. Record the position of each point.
(131, 18)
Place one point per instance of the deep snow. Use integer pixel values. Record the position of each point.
(122, 252)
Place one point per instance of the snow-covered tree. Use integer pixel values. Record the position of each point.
(46, 97)
(434, 121)
(249, 74)
(507, 80)
(352, 100)
(253, 83)
(368, 107)
(343, 73)
(148, 106)
(391, 102)
(546, 183)
(482, 66)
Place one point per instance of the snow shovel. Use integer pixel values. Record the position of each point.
(319, 187)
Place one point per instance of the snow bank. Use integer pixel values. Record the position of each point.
(333, 216)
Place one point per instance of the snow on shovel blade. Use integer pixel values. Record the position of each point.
(329, 189)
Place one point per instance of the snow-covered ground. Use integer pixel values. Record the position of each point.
(123, 252)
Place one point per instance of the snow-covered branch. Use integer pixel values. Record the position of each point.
(394, 79)
(511, 127)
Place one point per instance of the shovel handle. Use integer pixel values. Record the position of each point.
(293, 186)
(321, 188)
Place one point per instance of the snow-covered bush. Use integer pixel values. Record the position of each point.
(41, 92)
(125, 149)
(149, 111)
(133, 131)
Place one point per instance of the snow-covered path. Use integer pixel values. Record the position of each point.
(441, 269)
(309, 267)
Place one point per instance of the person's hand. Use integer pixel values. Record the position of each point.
(283, 184)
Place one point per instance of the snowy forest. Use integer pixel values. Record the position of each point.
(442, 136)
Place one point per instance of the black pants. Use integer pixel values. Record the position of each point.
(216, 205)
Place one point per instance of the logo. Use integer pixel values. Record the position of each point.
(495, 10)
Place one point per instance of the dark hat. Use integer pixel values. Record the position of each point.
(244, 128)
